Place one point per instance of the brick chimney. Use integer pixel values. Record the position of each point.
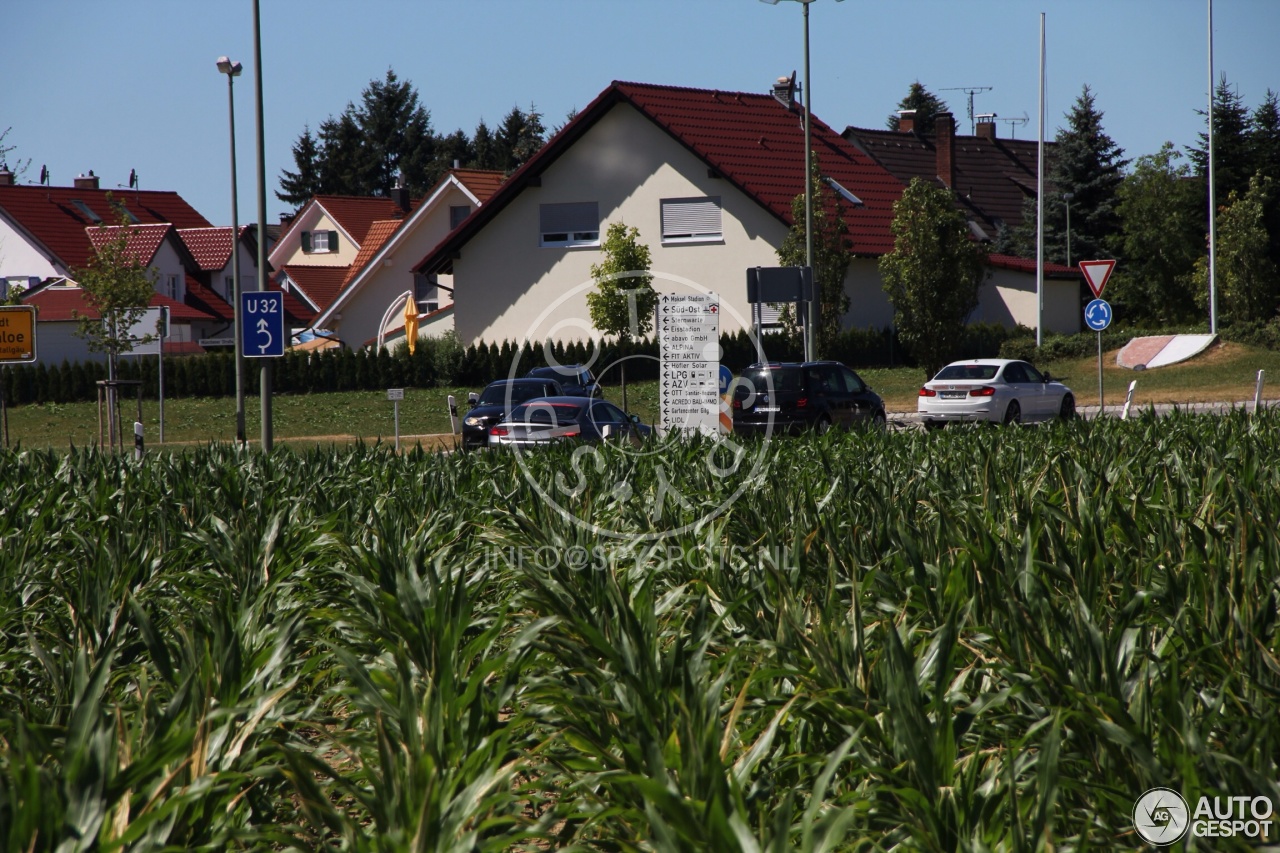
(400, 193)
(6, 177)
(906, 121)
(944, 127)
(986, 129)
(87, 182)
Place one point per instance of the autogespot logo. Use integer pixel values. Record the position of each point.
(1160, 816)
(734, 465)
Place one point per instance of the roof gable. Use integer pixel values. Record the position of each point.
(752, 140)
(56, 218)
(141, 241)
(321, 284)
(210, 248)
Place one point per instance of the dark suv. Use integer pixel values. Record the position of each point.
(576, 380)
(496, 401)
(813, 395)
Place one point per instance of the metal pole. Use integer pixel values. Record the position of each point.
(265, 390)
(1100, 405)
(164, 328)
(1067, 198)
(1257, 392)
(235, 267)
(811, 342)
(1213, 204)
(1040, 204)
(397, 408)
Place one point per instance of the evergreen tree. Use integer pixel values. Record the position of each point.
(933, 274)
(1088, 165)
(1162, 236)
(1264, 152)
(342, 170)
(454, 148)
(298, 187)
(532, 137)
(519, 138)
(1232, 164)
(484, 152)
(926, 104)
(831, 253)
(397, 136)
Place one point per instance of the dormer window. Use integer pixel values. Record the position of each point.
(319, 242)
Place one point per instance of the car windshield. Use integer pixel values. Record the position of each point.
(562, 375)
(967, 373)
(542, 412)
(496, 394)
(782, 378)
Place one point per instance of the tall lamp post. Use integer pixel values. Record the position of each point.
(811, 326)
(1066, 197)
(232, 70)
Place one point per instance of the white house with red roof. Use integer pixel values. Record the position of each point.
(350, 258)
(708, 177)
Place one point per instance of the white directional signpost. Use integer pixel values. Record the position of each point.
(1097, 314)
(689, 351)
(263, 327)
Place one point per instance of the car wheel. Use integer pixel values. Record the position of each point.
(1068, 410)
(822, 425)
(1013, 414)
(878, 421)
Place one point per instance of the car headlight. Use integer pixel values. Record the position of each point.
(474, 422)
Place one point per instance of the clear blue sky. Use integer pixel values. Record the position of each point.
(132, 84)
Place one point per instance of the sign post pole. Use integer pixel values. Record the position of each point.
(262, 330)
(395, 395)
(1097, 314)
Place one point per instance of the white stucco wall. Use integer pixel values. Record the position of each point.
(505, 281)
(392, 275)
(293, 254)
(19, 258)
(1008, 297)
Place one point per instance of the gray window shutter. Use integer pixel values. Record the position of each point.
(306, 241)
(691, 217)
(569, 217)
(333, 241)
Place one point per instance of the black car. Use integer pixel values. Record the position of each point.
(576, 380)
(558, 419)
(813, 395)
(496, 400)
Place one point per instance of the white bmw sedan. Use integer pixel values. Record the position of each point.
(998, 390)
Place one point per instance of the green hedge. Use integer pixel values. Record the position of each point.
(439, 362)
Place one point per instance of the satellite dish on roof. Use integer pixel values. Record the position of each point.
(44, 174)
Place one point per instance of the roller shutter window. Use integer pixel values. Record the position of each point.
(574, 223)
(691, 220)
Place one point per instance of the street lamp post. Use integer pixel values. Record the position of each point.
(811, 326)
(232, 70)
(1067, 198)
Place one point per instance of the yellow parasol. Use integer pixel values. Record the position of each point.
(411, 324)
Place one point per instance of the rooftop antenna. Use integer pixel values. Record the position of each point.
(970, 91)
(44, 175)
(1015, 122)
(133, 180)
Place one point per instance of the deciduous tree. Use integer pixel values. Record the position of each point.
(933, 274)
(624, 300)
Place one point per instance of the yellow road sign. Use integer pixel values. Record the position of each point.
(17, 334)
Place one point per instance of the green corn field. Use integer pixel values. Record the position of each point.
(972, 640)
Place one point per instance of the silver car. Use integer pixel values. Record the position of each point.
(998, 390)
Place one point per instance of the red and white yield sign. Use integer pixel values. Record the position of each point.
(1096, 274)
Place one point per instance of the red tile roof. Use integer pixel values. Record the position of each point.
(54, 221)
(207, 300)
(141, 244)
(64, 303)
(321, 284)
(992, 176)
(378, 235)
(211, 247)
(751, 140)
(355, 214)
(1028, 265)
(482, 183)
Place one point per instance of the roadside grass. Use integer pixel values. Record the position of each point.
(1226, 372)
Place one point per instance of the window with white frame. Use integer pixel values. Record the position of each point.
(691, 220)
(171, 286)
(319, 241)
(228, 288)
(574, 223)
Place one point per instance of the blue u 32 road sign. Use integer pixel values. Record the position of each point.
(261, 323)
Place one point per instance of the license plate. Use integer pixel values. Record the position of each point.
(766, 409)
(952, 395)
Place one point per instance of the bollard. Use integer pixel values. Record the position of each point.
(1124, 415)
(1257, 392)
(453, 414)
(137, 439)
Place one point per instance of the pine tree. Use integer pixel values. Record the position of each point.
(454, 148)
(1232, 164)
(298, 187)
(1264, 153)
(397, 136)
(926, 104)
(484, 153)
(341, 161)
